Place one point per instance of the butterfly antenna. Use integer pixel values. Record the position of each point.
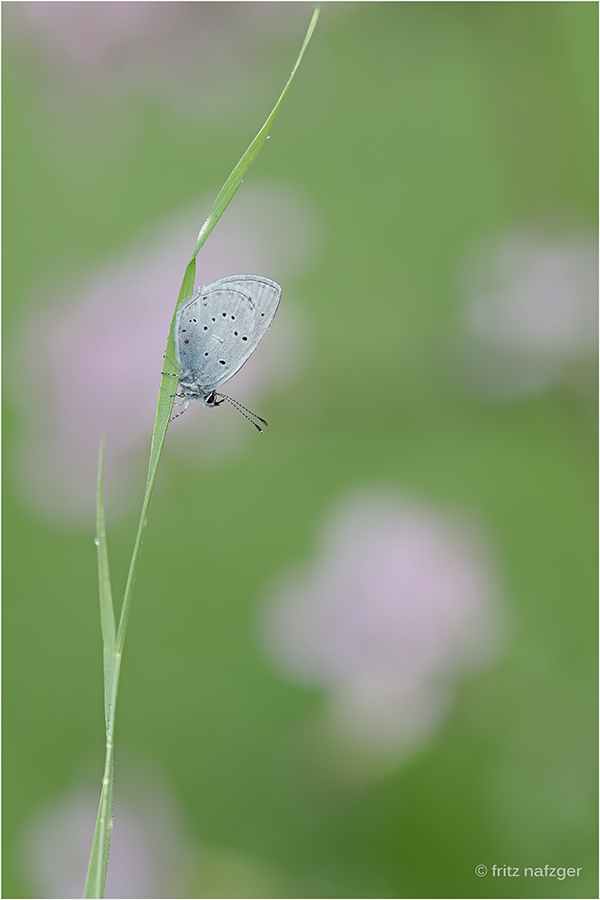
(243, 410)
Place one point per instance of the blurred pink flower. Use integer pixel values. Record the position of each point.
(530, 310)
(98, 66)
(155, 49)
(400, 602)
(150, 856)
(99, 352)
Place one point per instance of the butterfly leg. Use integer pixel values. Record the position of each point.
(184, 403)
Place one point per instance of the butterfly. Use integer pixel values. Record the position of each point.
(217, 330)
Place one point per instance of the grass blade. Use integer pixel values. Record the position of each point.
(98, 865)
(107, 612)
(235, 179)
(113, 643)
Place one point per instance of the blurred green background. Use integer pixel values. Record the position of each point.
(412, 130)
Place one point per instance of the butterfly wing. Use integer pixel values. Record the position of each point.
(221, 326)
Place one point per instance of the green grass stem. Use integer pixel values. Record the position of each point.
(113, 643)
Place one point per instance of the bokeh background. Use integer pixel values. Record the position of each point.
(361, 655)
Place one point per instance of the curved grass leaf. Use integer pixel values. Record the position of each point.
(113, 644)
